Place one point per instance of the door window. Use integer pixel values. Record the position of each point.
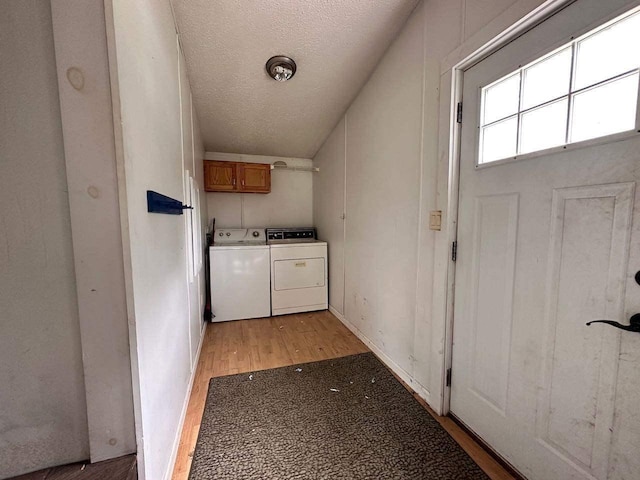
(585, 89)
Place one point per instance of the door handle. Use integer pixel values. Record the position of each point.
(634, 323)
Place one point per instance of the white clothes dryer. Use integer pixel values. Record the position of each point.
(299, 271)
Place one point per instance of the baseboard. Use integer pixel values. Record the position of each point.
(176, 444)
(384, 358)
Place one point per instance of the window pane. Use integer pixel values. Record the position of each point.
(547, 80)
(543, 127)
(608, 53)
(607, 109)
(499, 140)
(501, 100)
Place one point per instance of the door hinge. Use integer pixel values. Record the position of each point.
(454, 251)
(448, 377)
(459, 112)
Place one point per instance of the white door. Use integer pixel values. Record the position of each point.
(547, 241)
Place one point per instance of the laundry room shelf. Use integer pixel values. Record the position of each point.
(158, 203)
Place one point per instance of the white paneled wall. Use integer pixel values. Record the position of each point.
(378, 147)
(89, 146)
(329, 208)
(159, 153)
(288, 205)
(392, 144)
(43, 414)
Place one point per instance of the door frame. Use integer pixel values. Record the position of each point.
(526, 23)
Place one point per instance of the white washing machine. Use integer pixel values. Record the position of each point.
(299, 271)
(240, 274)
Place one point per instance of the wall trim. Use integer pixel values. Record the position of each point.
(464, 57)
(183, 415)
(81, 42)
(125, 233)
(244, 157)
(384, 358)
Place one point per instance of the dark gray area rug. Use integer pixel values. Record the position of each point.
(346, 418)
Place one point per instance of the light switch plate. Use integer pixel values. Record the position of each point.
(435, 220)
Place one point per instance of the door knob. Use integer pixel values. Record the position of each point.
(634, 323)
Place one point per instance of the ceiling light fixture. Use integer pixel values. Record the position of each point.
(281, 68)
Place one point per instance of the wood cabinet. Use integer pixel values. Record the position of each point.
(254, 177)
(237, 177)
(220, 176)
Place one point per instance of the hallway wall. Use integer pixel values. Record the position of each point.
(329, 208)
(374, 161)
(43, 414)
(92, 185)
(385, 166)
(154, 125)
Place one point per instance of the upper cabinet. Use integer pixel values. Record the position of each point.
(220, 176)
(237, 177)
(254, 177)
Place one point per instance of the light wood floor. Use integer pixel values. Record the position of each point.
(259, 344)
(123, 468)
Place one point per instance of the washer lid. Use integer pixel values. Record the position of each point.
(240, 246)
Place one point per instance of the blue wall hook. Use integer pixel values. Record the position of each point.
(158, 203)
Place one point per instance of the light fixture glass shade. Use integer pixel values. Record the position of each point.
(282, 74)
(281, 68)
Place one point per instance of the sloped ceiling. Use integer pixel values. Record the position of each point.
(335, 44)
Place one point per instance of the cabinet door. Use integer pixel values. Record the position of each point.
(220, 176)
(255, 177)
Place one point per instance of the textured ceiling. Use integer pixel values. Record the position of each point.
(335, 43)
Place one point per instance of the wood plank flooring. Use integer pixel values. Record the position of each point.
(122, 468)
(259, 344)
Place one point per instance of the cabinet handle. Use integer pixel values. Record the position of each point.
(243, 182)
(234, 182)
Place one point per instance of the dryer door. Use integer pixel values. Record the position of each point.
(298, 278)
(299, 273)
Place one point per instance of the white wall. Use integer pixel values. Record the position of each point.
(383, 158)
(88, 130)
(198, 158)
(396, 159)
(329, 208)
(147, 87)
(43, 417)
(290, 203)
(193, 169)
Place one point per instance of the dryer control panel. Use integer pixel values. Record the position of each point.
(306, 234)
